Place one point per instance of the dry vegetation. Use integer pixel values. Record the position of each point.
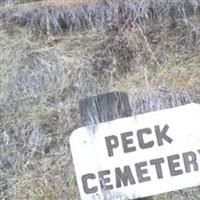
(52, 56)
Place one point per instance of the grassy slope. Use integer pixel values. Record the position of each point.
(51, 60)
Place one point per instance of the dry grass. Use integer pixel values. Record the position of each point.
(152, 53)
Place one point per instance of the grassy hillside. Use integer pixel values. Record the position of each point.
(55, 54)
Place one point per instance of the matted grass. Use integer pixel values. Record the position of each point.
(148, 49)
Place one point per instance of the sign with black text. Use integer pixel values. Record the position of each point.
(138, 156)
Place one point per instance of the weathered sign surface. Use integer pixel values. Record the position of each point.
(138, 156)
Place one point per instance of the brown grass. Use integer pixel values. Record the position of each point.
(155, 60)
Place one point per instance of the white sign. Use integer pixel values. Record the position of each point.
(138, 156)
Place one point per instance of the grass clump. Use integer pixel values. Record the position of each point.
(50, 60)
